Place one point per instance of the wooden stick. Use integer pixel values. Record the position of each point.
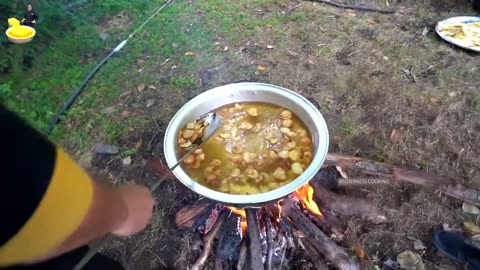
(268, 230)
(335, 4)
(329, 228)
(253, 230)
(315, 256)
(347, 205)
(322, 243)
(402, 174)
(242, 257)
(187, 216)
(209, 241)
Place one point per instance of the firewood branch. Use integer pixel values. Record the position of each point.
(209, 241)
(373, 9)
(402, 174)
(322, 242)
(253, 230)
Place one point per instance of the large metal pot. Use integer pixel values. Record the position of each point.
(248, 92)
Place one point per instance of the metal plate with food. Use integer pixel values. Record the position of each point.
(463, 31)
(271, 142)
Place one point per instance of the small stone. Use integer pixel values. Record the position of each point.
(470, 228)
(469, 208)
(108, 110)
(410, 260)
(389, 263)
(446, 227)
(103, 36)
(85, 160)
(106, 149)
(127, 161)
(418, 245)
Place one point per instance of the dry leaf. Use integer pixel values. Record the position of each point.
(141, 87)
(396, 135)
(292, 53)
(127, 161)
(152, 87)
(435, 101)
(269, 25)
(359, 252)
(425, 31)
(225, 49)
(311, 61)
(352, 14)
(270, 47)
(126, 113)
(349, 10)
(261, 68)
(138, 145)
(189, 54)
(371, 21)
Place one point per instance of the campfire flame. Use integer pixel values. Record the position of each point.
(240, 212)
(304, 194)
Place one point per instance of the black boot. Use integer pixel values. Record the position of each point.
(457, 247)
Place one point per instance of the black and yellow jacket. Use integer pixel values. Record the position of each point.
(44, 195)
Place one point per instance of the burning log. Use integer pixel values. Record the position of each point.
(253, 230)
(268, 230)
(242, 257)
(319, 240)
(401, 174)
(228, 246)
(209, 241)
(191, 217)
(329, 224)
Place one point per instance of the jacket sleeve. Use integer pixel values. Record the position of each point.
(44, 195)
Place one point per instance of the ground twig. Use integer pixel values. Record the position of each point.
(373, 9)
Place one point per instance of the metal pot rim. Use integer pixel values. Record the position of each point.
(179, 121)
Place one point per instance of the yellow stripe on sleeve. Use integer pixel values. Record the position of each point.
(60, 212)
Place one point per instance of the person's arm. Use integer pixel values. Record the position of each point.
(34, 17)
(50, 206)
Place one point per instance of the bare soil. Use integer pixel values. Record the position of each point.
(371, 74)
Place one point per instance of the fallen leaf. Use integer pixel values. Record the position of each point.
(138, 145)
(418, 245)
(269, 25)
(386, 58)
(311, 61)
(435, 100)
(261, 68)
(469, 208)
(371, 21)
(270, 47)
(425, 31)
(190, 54)
(126, 113)
(127, 161)
(410, 260)
(359, 252)
(141, 87)
(352, 14)
(108, 110)
(152, 87)
(124, 94)
(85, 161)
(292, 53)
(397, 134)
(225, 49)
(470, 228)
(349, 10)
(150, 102)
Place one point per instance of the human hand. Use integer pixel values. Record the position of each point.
(34, 21)
(139, 202)
(23, 20)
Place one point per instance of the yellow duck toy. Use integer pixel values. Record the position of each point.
(19, 33)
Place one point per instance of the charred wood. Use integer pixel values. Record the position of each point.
(194, 215)
(207, 247)
(230, 239)
(322, 242)
(253, 231)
